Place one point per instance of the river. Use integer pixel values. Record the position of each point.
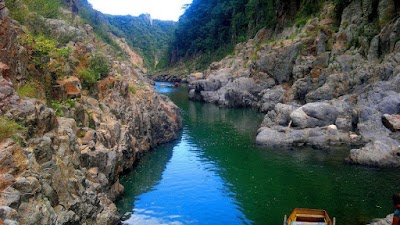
(214, 173)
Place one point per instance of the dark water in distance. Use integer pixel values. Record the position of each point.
(215, 174)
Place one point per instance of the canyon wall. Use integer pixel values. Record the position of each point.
(60, 165)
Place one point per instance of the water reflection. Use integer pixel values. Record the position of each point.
(189, 185)
(145, 176)
(215, 174)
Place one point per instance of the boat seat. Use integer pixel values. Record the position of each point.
(308, 223)
(310, 216)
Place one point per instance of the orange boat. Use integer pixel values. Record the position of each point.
(301, 216)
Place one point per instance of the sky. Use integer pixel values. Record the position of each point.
(158, 9)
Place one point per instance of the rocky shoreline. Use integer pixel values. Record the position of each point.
(65, 169)
(317, 86)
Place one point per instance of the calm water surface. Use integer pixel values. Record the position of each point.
(215, 174)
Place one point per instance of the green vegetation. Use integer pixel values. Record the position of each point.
(8, 128)
(59, 107)
(45, 8)
(20, 9)
(97, 69)
(98, 21)
(49, 59)
(209, 29)
(28, 90)
(307, 10)
(88, 77)
(151, 38)
(213, 28)
(340, 6)
(100, 66)
(132, 88)
(46, 54)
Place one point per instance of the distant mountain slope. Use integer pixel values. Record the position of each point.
(209, 29)
(151, 38)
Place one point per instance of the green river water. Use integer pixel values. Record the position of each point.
(214, 173)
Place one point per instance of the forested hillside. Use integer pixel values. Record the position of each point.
(209, 29)
(151, 38)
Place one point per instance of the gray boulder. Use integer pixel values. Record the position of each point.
(383, 221)
(271, 97)
(319, 137)
(335, 86)
(278, 63)
(279, 116)
(300, 88)
(384, 152)
(283, 112)
(202, 90)
(238, 93)
(315, 114)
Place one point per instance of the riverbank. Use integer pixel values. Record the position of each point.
(215, 167)
(318, 85)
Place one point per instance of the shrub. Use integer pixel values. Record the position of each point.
(59, 107)
(45, 8)
(21, 10)
(98, 68)
(88, 77)
(8, 128)
(44, 49)
(308, 9)
(18, 10)
(99, 65)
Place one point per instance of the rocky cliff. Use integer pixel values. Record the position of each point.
(333, 81)
(60, 165)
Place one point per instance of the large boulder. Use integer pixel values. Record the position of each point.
(384, 221)
(373, 103)
(283, 114)
(315, 114)
(199, 89)
(384, 152)
(319, 137)
(238, 93)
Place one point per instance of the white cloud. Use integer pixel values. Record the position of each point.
(158, 9)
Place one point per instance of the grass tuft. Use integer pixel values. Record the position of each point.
(8, 128)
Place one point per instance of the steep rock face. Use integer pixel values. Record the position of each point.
(319, 85)
(64, 170)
